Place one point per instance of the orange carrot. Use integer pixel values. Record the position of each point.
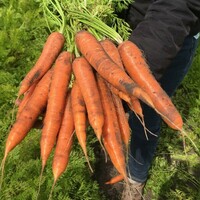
(112, 50)
(109, 70)
(138, 69)
(120, 94)
(111, 132)
(113, 53)
(51, 49)
(86, 80)
(27, 96)
(55, 106)
(122, 120)
(27, 117)
(115, 179)
(30, 113)
(64, 142)
(80, 118)
(135, 106)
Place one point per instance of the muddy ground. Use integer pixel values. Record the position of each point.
(105, 172)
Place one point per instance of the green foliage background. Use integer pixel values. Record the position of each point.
(175, 172)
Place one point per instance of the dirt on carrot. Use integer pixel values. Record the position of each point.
(51, 49)
(80, 118)
(111, 131)
(86, 80)
(55, 105)
(138, 69)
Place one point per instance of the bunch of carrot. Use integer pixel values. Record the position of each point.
(102, 76)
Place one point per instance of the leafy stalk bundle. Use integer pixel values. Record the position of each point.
(97, 16)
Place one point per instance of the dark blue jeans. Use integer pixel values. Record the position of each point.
(142, 150)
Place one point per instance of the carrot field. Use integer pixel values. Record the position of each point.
(24, 29)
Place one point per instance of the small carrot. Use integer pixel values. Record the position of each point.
(115, 179)
(138, 69)
(111, 132)
(29, 115)
(51, 49)
(55, 105)
(64, 142)
(80, 118)
(112, 51)
(86, 80)
(109, 70)
(135, 106)
(122, 120)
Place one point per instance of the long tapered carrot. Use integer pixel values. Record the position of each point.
(133, 102)
(51, 49)
(109, 70)
(64, 141)
(111, 132)
(80, 118)
(137, 68)
(122, 120)
(86, 80)
(113, 53)
(28, 116)
(55, 106)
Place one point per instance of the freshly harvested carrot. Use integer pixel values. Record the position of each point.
(132, 101)
(55, 105)
(138, 69)
(86, 80)
(111, 132)
(115, 179)
(112, 50)
(113, 53)
(27, 96)
(122, 120)
(51, 49)
(109, 70)
(80, 118)
(29, 115)
(64, 141)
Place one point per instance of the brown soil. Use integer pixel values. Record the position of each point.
(105, 172)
